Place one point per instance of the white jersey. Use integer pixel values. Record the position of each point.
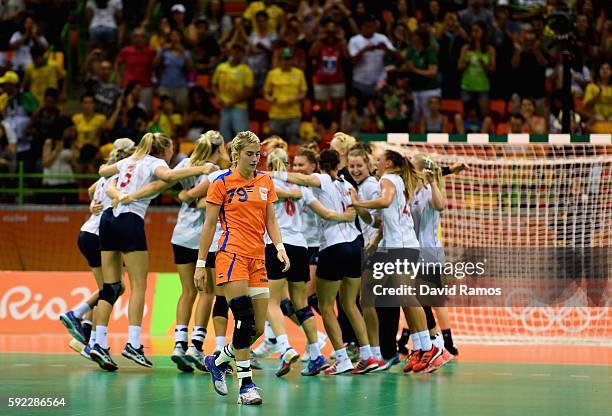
(287, 212)
(218, 230)
(92, 225)
(334, 195)
(426, 223)
(369, 189)
(133, 175)
(398, 228)
(310, 223)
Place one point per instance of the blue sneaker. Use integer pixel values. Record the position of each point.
(315, 366)
(217, 375)
(137, 355)
(249, 395)
(86, 352)
(102, 357)
(73, 325)
(289, 357)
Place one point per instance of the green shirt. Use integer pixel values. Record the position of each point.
(475, 78)
(422, 60)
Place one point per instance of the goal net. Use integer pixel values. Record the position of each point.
(519, 194)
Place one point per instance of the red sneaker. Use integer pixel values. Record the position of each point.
(435, 364)
(382, 366)
(365, 366)
(447, 356)
(414, 359)
(426, 358)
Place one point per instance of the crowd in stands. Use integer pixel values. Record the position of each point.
(301, 70)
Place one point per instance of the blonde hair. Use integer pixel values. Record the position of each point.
(278, 159)
(205, 146)
(242, 140)
(363, 154)
(122, 148)
(275, 142)
(405, 169)
(428, 163)
(152, 144)
(343, 141)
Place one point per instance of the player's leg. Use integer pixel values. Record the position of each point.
(195, 353)
(276, 317)
(184, 307)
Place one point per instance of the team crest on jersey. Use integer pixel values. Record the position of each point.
(263, 192)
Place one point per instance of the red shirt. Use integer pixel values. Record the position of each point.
(138, 65)
(329, 65)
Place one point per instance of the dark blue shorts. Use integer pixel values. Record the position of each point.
(313, 256)
(340, 260)
(124, 233)
(184, 255)
(210, 260)
(298, 257)
(89, 245)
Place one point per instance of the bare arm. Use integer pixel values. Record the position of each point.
(275, 235)
(113, 192)
(152, 188)
(461, 64)
(206, 238)
(304, 180)
(92, 189)
(438, 201)
(384, 201)
(292, 194)
(198, 191)
(174, 175)
(108, 170)
(331, 215)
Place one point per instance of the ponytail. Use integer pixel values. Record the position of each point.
(122, 148)
(405, 169)
(278, 160)
(152, 144)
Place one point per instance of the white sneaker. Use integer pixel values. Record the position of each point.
(195, 357)
(178, 358)
(321, 340)
(264, 349)
(249, 395)
(339, 367)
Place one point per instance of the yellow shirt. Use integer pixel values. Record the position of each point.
(603, 107)
(43, 77)
(284, 86)
(165, 126)
(88, 131)
(275, 14)
(232, 81)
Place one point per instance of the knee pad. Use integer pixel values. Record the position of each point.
(110, 292)
(220, 308)
(244, 322)
(287, 307)
(304, 314)
(313, 302)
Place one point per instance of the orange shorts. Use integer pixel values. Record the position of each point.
(231, 267)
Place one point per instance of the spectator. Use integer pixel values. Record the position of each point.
(162, 36)
(529, 63)
(324, 128)
(422, 66)
(10, 11)
(21, 42)
(174, 64)
(135, 63)
(274, 13)
(206, 51)
(58, 174)
(579, 79)
(104, 17)
(40, 75)
(477, 61)
(132, 119)
(335, 11)
(433, 121)
(367, 51)
(534, 124)
(232, 83)
(260, 42)
(285, 87)
(396, 109)
(8, 149)
(434, 16)
(89, 129)
(401, 14)
(476, 13)
(330, 53)
(219, 24)
(179, 22)
(516, 123)
(451, 41)
(310, 14)
(201, 115)
(503, 42)
(598, 100)
(474, 121)
(167, 120)
(355, 118)
(47, 122)
(105, 92)
(587, 39)
(291, 40)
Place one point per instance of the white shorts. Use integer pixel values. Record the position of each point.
(325, 92)
(259, 292)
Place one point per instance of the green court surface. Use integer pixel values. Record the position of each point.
(460, 388)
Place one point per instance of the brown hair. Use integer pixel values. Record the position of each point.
(405, 169)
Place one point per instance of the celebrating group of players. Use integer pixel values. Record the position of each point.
(265, 245)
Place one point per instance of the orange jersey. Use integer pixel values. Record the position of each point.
(243, 211)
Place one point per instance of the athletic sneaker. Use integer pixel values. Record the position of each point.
(178, 357)
(289, 357)
(435, 364)
(102, 357)
(339, 367)
(136, 355)
(217, 375)
(265, 349)
(195, 357)
(86, 352)
(447, 356)
(255, 364)
(426, 358)
(392, 361)
(315, 366)
(73, 325)
(413, 360)
(365, 366)
(76, 345)
(249, 395)
(321, 340)
(382, 366)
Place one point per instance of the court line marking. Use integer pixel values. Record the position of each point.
(539, 375)
(502, 374)
(57, 365)
(22, 365)
(579, 376)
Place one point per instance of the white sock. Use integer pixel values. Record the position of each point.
(226, 355)
(92, 338)
(269, 333)
(416, 341)
(134, 336)
(314, 351)
(101, 333)
(81, 309)
(364, 352)
(243, 369)
(219, 343)
(438, 342)
(376, 353)
(181, 333)
(425, 340)
(283, 342)
(86, 321)
(341, 354)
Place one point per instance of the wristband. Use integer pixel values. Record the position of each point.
(280, 246)
(200, 264)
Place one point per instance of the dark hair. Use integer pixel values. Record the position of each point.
(87, 94)
(130, 87)
(485, 39)
(262, 13)
(101, 4)
(367, 18)
(308, 154)
(165, 98)
(329, 159)
(425, 37)
(37, 50)
(325, 118)
(52, 92)
(208, 10)
(517, 115)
